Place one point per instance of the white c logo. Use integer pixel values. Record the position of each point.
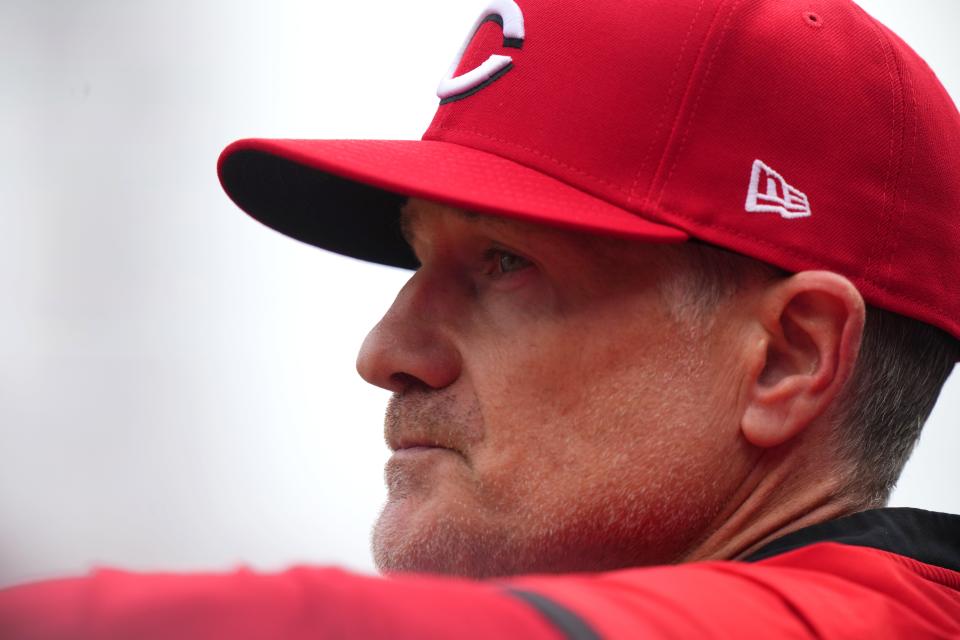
(508, 15)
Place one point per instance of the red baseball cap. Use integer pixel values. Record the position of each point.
(802, 133)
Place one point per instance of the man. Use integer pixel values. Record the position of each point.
(685, 292)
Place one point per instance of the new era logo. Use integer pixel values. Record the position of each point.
(770, 193)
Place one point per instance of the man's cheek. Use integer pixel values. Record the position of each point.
(514, 475)
(526, 383)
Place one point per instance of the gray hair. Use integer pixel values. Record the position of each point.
(902, 366)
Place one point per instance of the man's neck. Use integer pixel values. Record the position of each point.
(770, 504)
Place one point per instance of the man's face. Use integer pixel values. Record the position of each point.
(555, 407)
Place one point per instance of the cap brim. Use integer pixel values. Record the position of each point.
(345, 195)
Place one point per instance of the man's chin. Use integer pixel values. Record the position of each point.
(411, 536)
(406, 537)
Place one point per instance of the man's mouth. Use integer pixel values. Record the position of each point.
(414, 445)
(409, 453)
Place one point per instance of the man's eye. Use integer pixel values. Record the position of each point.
(509, 262)
(502, 262)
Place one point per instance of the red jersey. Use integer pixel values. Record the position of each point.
(885, 573)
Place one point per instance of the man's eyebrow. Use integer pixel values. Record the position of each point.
(409, 216)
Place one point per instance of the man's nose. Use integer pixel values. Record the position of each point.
(412, 343)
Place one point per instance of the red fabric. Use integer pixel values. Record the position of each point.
(648, 115)
(299, 604)
(825, 591)
(487, 40)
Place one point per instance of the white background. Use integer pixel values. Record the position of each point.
(177, 385)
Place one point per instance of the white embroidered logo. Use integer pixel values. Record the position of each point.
(770, 193)
(508, 15)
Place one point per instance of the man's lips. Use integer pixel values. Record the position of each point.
(408, 444)
(412, 453)
(412, 443)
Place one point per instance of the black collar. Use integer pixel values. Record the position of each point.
(926, 536)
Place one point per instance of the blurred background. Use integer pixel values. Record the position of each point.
(177, 384)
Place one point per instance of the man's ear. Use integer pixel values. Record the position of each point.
(809, 330)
